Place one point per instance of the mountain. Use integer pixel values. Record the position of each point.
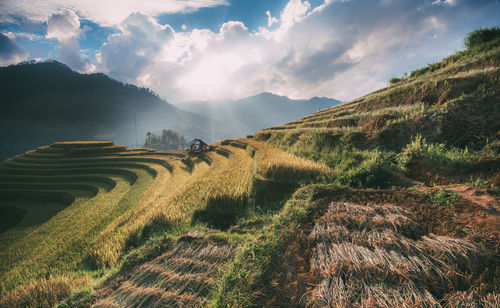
(250, 114)
(389, 200)
(46, 102)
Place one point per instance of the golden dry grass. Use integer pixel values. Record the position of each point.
(182, 277)
(377, 256)
(172, 198)
(61, 244)
(41, 292)
(275, 163)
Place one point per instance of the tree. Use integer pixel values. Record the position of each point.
(172, 140)
(169, 140)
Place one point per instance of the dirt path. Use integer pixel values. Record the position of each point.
(478, 197)
(482, 213)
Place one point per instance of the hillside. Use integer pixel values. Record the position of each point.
(440, 125)
(390, 200)
(46, 102)
(247, 115)
(101, 200)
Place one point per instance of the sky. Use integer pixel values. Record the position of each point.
(188, 50)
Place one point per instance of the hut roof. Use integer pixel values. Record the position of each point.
(195, 141)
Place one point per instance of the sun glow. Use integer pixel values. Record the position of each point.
(212, 75)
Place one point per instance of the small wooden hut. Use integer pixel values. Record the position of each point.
(197, 145)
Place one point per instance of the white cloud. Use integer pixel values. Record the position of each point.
(126, 54)
(64, 26)
(293, 12)
(103, 12)
(270, 19)
(25, 35)
(341, 49)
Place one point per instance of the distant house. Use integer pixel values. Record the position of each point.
(197, 145)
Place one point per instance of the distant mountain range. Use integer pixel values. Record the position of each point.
(41, 103)
(45, 102)
(248, 115)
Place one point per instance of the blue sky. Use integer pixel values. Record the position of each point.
(251, 12)
(210, 49)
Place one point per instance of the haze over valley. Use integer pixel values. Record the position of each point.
(235, 153)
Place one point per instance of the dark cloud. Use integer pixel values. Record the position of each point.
(10, 52)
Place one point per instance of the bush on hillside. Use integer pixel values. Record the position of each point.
(481, 36)
(374, 171)
(477, 41)
(420, 149)
(394, 80)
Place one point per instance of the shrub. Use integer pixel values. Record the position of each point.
(394, 80)
(481, 36)
(491, 149)
(373, 171)
(445, 197)
(419, 149)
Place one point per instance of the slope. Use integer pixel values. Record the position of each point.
(116, 199)
(439, 125)
(409, 217)
(46, 102)
(364, 213)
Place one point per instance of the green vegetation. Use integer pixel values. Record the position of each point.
(169, 140)
(419, 149)
(444, 197)
(336, 208)
(481, 37)
(394, 80)
(437, 125)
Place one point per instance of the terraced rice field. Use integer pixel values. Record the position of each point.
(65, 194)
(78, 204)
(173, 197)
(182, 277)
(392, 116)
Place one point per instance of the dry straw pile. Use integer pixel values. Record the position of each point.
(377, 256)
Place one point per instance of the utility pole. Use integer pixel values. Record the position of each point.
(135, 128)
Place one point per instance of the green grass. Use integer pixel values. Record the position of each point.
(445, 197)
(247, 278)
(420, 149)
(154, 230)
